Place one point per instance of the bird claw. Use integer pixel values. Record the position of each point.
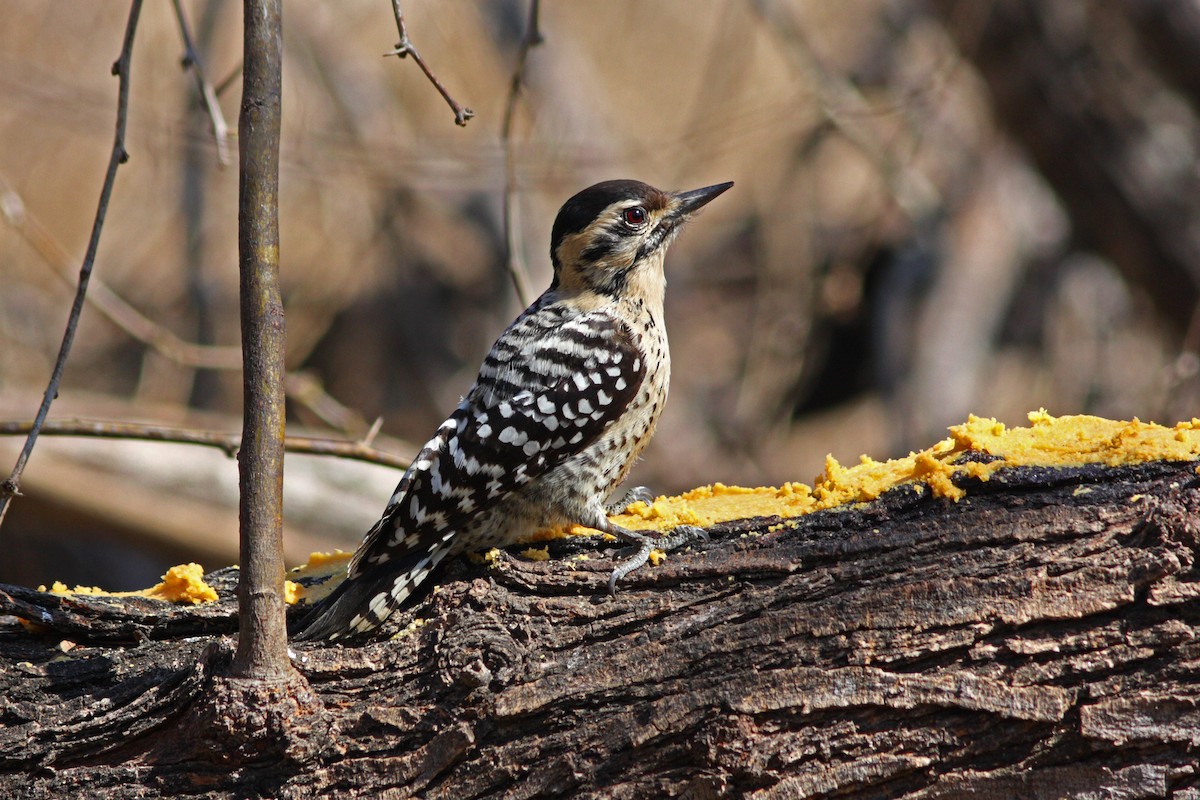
(678, 537)
(634, 495)
(684, 534)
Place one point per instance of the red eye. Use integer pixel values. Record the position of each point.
(635, 216)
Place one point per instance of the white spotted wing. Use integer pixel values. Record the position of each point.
(548, 389)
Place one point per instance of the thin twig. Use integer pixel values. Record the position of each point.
(191, 58)
(405, 48)
(306, 389)
(226, 442)
(229, 79)
(372, 432)
(513, 246)
(12, 485)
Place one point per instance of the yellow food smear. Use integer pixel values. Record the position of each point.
(1048, 441)
(322, 559)
(411, 628)
(536, 553)
(183, 583)
(323, 567)
(487, 558)
(292, 592)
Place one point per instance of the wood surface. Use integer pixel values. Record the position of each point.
(1035, 639)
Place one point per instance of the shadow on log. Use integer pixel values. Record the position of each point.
(1035, 639)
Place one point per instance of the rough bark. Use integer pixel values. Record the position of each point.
(1035, 639)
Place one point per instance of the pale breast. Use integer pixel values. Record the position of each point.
(621, 445)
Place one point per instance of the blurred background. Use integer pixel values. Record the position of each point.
(941, 208)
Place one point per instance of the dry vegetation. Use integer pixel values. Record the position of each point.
(898, 250)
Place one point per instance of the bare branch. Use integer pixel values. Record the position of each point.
(405, 48)
(513, 247)
(229, 443)
(373, 432)
(12, 485)
(306, 389)
(229, 79)
(208, 94)
(262, 633)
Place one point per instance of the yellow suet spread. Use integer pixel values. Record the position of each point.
(1048, 441)
(183, 583)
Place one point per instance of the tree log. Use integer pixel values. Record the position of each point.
(1034, 639)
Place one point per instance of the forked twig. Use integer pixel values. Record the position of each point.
(514, 251)
(12, 485)
(191, 59)
(234, 74)
(405, 48)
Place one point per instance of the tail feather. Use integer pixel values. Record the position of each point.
(331, 617)
(359, 605)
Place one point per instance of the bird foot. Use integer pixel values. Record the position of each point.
(648, 542)
(634, 495)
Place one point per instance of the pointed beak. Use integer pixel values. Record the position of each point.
(690, 202)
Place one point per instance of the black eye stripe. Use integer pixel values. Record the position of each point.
(603, 246)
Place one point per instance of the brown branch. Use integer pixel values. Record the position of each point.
(229, 443)
(405, 47)
(513, 248)
(229, 79)
(208, 94)
(12, 485)
(304, 388)
(1039, 637)
(262, 635)
(373, 432)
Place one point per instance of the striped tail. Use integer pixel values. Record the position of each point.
(359, 605)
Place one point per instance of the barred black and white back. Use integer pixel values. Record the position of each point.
(564, 403)
(504, 435)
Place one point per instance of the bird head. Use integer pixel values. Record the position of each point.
(615, 234)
